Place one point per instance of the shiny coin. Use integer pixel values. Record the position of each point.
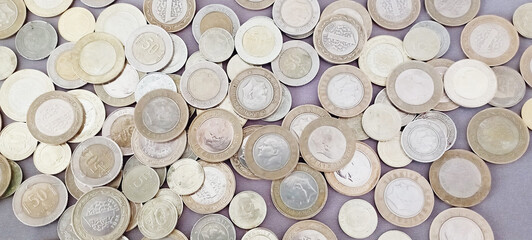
(470, 83)
(459, 222)
(185, 176)
(247, 209)
(255, 93)
(394, 235)
(119, 127)
(380, 56)
(355, 124)
(227, 106)
(352, 9)
(194, 80)
(511, 87)
(5, 174)
(154, 81)
(404, 198)
(102, 213)
(216, 192)
(213, 226)
(260, 233)
(520, 20)
(55, 117)
(51, 159)
(445, 122)
(15, 181)
(271, 152)
(357, 218)
(297, 64)
(98, 58)
(214, 16)
(9, 60)
(120, 20)
(47, 8)
(133, 162)
(158, 154)
(296, 24)
(36, 40)
(75, 23)
(94, 114)
(149, 48)
(360, 175)
(441, 31)
(394, 15)
(60, 67)
(258, 41)
(172, 197)
(298, 118)
(238, 160)
(171, 16)
(65, 230)
(180, 55)
(498, 135)
(441, 65)
(235, 66)
(40, 200)
(300, 195)
(71, 185)
(424, 140)
(16, 141)
(96, 161)
(381, 122)
(216, 44)
(460, 178)
(392, 153)
(452, 13)
(310, 229)
(121, 91)
(339, 38)
(255, 4)
(344, 90)
(140, 184)
(526, 113)
(422, 43)
(14, 21)
(97, 3)
(525, 66)
(499, 48)
(284, 107)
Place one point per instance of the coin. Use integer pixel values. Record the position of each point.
(65, 230)
(5, 175)
(197, 57)
(422, 43)
(525, 66)
(133, 162)
(119, 127)
(460, 222)
(284, 107)
(180, 55)
(134, 211)
(300, 195)
(309, 229)
(194, 80)
(236, 65)
(149, 48)
(171, 16)
(216, 192)
(441, 65)
(511, 87)
(404, 198)
(424, 140)
(394, 235)
(60, 67)
(357, 218)
(71, 185)
(247, 209)
(227, 106)
(40, 200)
(216, 44)
(140, 184)
(175, 235)
(355, 124)
(296, 24)
(51, 159)
(16, 141)
(260, 233)
(298, 118)
(9, 60)
(116, 181)
(470, 83)
(452, 13)
(119, 92)
(526, 113)
(185, 176)
(75, 23)
(13, 21)
(445, 122)
(394, 15)
(380, 56)
(360, 175)
(120, 20)
(499, 48)
(47, 8)
(214, 16)
(97, 3)
(55, 117)
(103, 213)
(171, 196)
(520, 20)
(297, 64)
(392, 153)
(15, 181)
(94, 114)
(255, 4)
(36, 40)
(498, 135)
(98, 58)
(213, 226)
(339, 38)
(441, 31)
(352, 9)
(157, 154)
(258, 41)
(381, 122)
(344, 90)
(238, 161)
(154, 81)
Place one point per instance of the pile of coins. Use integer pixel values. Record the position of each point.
(184, 127)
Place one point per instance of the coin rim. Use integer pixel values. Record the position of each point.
(447, 214)
(390, 25)
(174, 27)
(313, 72)
(235, 161)
(158, 162)
(309, 225)
(449, 106)
(452, 22)
(250, 224)
(19, 20)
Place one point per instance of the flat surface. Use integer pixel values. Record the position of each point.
(507, 207)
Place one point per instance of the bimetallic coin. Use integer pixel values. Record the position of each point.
(298, 118)
(441, 31)
(394, 15)
(121, 91)
(40, 200)
(51, 159)
(11, 23)
(97, 3)
(258, 41)
(441, 65)
(119, 127)
(9, 62)
(358, 218)
(511, 87)
(260, 233)
(394, 235)
(247, 209)
(380, 56)
(404, 198)
(459, 222)
(424, 140)
(133, 162)
(60, 67)
(470, 83)
(381, 122)
(158, 154)
(171, 16)
(16, 141)
(352, 9)
(255, 4)
(5, 174)
(185, 176)
(422, 43)
(213, 226)
(309, 229)
(284, 107)
(149, 48)
(214, 16)
(445, 122)
(498, 135)
(297, 64)
(94, 114)
(180, 55)
(172, 197)
(308, 15)
(15, 181)
(355, 124)
(103, 213)
(140, 184)
(391, 152)
(75, 23)
(520, 20)
(154, 81)
(194, 80)
(216, 44)
(120, 20)
(454, 13)
(65, 230)
(238, 161)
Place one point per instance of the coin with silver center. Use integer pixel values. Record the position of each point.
(394, 15)
(470, 83)
(309, 229)
(452, 13)
(247, 209)
(511, 87)
(358, 218)
(158, 154)
(9, 60)
(36, 40)
(154, 81)
(352, 9)
(186, 176)
(94, 114)
(194, 80)
(213, 226)
(445, 122)
(297, 64)
(216, 44)
(119, 127)
(60, 67)
(149, 48)
(381, 122)
(258, 41)
(16, 141)
(296, 24)
(238, 161)
(459, 222)
(121, 91)
(180, 55)
(171, 16)
(424, 140)
(120, 20)
(214, 16)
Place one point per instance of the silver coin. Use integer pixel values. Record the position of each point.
(213, 226)
(59, 67)
(149, 48)
(180, 55)
(424, 141)
(214, 15)
(296, 17)
(154, 81)
(217, 44)
(297, 64)
(511, 87)
(133, 162)
(441, 31)
(120, 92)
(194, 81)
(65, 230)
(284, 108)
(382, 97)
(236, 65)
(445, 122)
(97, 3)
(36, 40)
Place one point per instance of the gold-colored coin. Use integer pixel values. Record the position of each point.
(119, 127)
(309, 229)
(16, 180)
(298, 118)
(134, 209)
(459, 222)
(355, 124)
(526, 113)
(238, 161)
(5, 174)
(525, 66)
(75, 23)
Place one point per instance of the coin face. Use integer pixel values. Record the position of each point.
(258, 41)
(498, 135)
(298, 118)
(185, 176)
(441, 65)
(511, 87)
(213, 226)
(526, 113)
(157, 218)
(51, 159)
(452, 13)
(238, 161)
(16, 141)
(470, 83)
(171, 16)
(228, 106)
(380, 56)
(5, 175)
(308, 14)
(15, 181)
(255, 4)
(140, 184)
(65, 229)
(519, 20)
(94, 114)
(214, 16)
(12, 22)
(236, 65)
(158, 154)
(120, 20)
(197, 57)
(47, 8)
(309, 229)
(71, 185)
(216, 44)
(352, 9)
(392, 153)
(445, 122)
(102, 213)
(422, 43)
(460, 222)
(149, 48)
(297, 64)
(355, 124)
(194, 80)
(171, 196)
(75, 23)
(404, 198)
(358, 218)
(119, 127)
(394, 235)
(381, 122)
(60, 69)
(40, 200)
(121, 91)
(394, 16)
(36, 40)
(180, 55)
(8, 57)
(247, 209)
(424, 140)
(260, 233)
(133, 162)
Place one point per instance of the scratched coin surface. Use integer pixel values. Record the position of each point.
(194, 80)
(247, 209)
(149, 48)
(459, 222)
(297, 64)
(157, 218)
(453, 13)
(157, 154)
(309, 229)
(120, 20)
(216, 44)
(36, 40)
(119, 127)
(358, 218)
(213, 226)
(140, 184)
(298, 118)
(16, 141)
(394, 15)
(51, 159)
(133, 162)
(186, 176)
(172, 16)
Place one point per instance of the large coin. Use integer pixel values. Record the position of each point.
(171, 16)
(120, 20)
(16, 141)
(36, 40)
(196, 77)
(185, 176)
(424, 140)
(309, 229)
(158, 154)
(157, 218)
(140, 184)
(11, 23)
(381, 122)
(149, 48)
(459, 222)
(60, 67)
(121, 91)
(213, 226)
(453, 13)
(94, 114)
(298, 118)
(119, 127)
(247, 209)
(51, 159)
(394, 15)
(358, 218)
(258, 41)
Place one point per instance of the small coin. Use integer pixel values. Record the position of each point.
(227, 106)
(154, 81)
(94, 114)
(180, 55)
(297, 64)
(14, 21)
(394, 15)
(255, 4)
(381, 122)
(65, 230)
(158, 154)
(344, 90)
(300, 195)
(355, 124)
(15, 181)
(197, 57)
(171, 196)
(5, 175)
(445, 122)
(55, 117)
(511, 87)
(214, 16)
(213, 226)
(520, 20)
(236, 65)
(526, 113)
(424, 140)
(102, 213)
(216, 44)
(352, 9)
(51, 159)
(498, 135)
(47, 8)
(36, 40)
(358, 218)
(119, 92)
(140, 184)
(71, 185)
(120, 20)
(9, 62)
(75, 23)
(247, 209)
(171, 16)
(422, 43)
(39, 211)
(185, 176)
(360, 175)
(525, 65)
(470, 83)
(97, 3)
(392, 153)
(260, 233)
(296, 24)
(404, 198)
(119, 127)
(298, 118)
(394, 235)
(309, 229)
(339, 38)
(60, 67)
(380, 56)
(194, 80)
(238, 161)
(284, 107)
(499, 48)
(149, 48)
(460, 222)
(258, 41)
(16, 141)
(452, 13)
(441, 31)
(133, 162)
(216, 192)
(441, 65)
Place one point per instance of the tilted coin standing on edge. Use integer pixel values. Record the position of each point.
(511, 87)
(258, 41)
(140, 184)
(309, 229)
(238, 161)
(149, 48)
(120, 20)
(296, 24)
(119, 92)
(213, 226)
(392, 154)
(16, 20)
(171, 16)
(470, 83)
(452, 13)
(424, 140)
(5, 174)
(60, 67)
(394, 15)
(158, 154)
(119, 127)
(15, 181)
(186, 176)
(16, 141)
(196, 77)
(297, 64)
(298, 118)
(459, 222)
(157, 218)
(358, 218)
(381, 122)
(247, 209)
(36, 40)
(441, 65)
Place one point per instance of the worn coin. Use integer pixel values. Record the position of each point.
(526, 113)
(520, 20)
(51, 159)
(394, 15)
(171, 16)
(15, 181)
(284, 107)
(149, 48)
(213, 226)
(119, 92)
(380, 56)
(470, 83)
(133, 162)
(452, 13)
(154, 81)
(47, 8)
(9, 62)
(140, 184)
(358, 218)
(511, 87)
(236, 65)
(180, 55)
(65, 230)
(247, 209)
(120, 20)
(441, 65)
(309, 229)
(422, 43)
(36, 40)
(5, 175)
(255, 4)
(194, 80)
(185, 176)
(352, 9)
(404, 198)
(445, 122)
(16, 141)
(214, 16)
(498, 135)
(216, 44)
(11, 23)
(158, 154)
(260, 233)
(258, 41)
(40, 200)
(441, 31)
(60, 67)
(94, 114)
(424, 140)
(298, 118)
(381, 122)
(355, 124)
(392, 153)
(75, 23)
(297, 64)
(296, 24)
(119, 127)
(459, 222)
(97, 3)
(171, 196)
(238, 161)
(394, 235)
(525, 65)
